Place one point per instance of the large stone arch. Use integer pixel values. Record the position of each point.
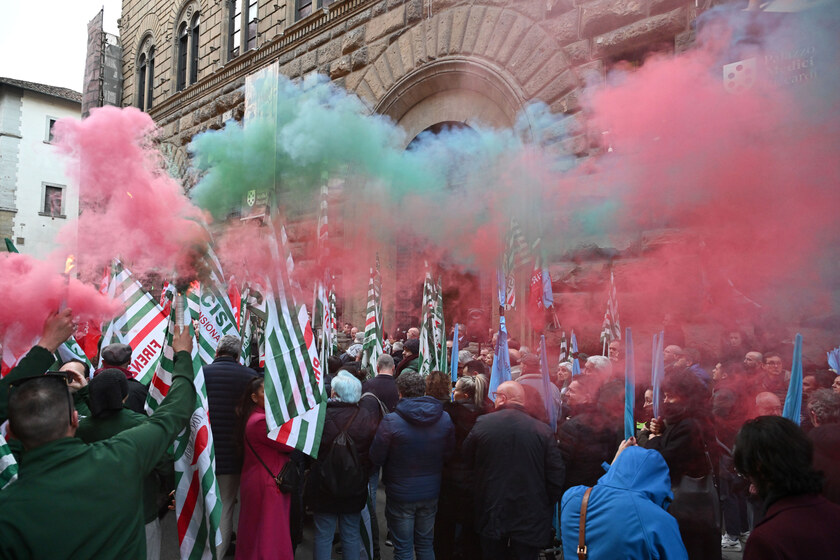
(496, 56)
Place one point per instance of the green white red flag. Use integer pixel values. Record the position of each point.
(141, 325)
(198, 506)
(372, 345)
(8, 465)
(432, 328)
(294, 384)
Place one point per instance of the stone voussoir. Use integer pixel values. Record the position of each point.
(647, 31)
(386, 23)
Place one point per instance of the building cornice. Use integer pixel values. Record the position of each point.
(293, 37)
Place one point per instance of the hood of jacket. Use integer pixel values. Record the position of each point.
(421, 411)
(641, 470)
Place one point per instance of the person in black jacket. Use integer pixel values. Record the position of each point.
(457, 499)
(226, 380)
(343, 413)
(685, 437)
(519, 475)
(118, 356)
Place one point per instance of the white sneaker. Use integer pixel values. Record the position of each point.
(729, 543)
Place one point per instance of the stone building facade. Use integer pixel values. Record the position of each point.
(420, 62)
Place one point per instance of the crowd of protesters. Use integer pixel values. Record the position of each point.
(468, 472)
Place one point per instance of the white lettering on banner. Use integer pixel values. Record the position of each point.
(146, 355)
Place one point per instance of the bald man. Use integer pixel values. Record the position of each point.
(519, 476)
(767, 404)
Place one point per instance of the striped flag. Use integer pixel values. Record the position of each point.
(198, 507)
(432, 329)
(611, 329)
(372, 346)
(293, 380)
(216, 318)
(564, 347)
(517, 253)
(8, 465)
(141, 325)
(70, 350)
(333, 320)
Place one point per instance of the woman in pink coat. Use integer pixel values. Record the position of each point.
(263, 530)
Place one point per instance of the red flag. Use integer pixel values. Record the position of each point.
(536, 308)
(235, 302)
(88, 335)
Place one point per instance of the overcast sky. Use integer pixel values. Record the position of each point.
(44, 41)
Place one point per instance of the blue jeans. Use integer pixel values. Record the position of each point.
(412, 526)
(373, 484)
(348, 526)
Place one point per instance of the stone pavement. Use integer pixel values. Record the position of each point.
(304, 551)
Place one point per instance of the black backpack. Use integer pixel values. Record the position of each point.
(342, 472)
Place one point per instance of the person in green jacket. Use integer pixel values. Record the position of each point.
(74, 500)
(108, 417)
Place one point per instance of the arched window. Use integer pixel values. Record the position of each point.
(145, 84)
(183, 43)
(186, 48)
(196, 20)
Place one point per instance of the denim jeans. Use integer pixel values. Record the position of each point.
(412, 526)
(373, 484)
(348, 527)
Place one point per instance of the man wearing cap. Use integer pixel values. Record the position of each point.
(118, 356)
(411, 357)
(74, 500)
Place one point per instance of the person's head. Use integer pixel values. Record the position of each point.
(530, 364)
(473, 388)
(353, 332)
(753, 362)
(464, 357)
(347, 328)
(77, 366)
(773, 364)
(615, 351)
(413, 334)
(718, 372)
(476, 367)
(672, 353)
(510, 392)
(734, 338)
(41, 410)
(819, 379)
(824, 407)
(229, 346)
(411, 348)
(116, 355)
(564, 372)
(581, 391)
(107, 392)
(767, 404)
(385, 365)
(835, 385)
(774, 454)
(359, 338)
(411, 385)
(397, 347)
(333, 364)
(683, 391)
(689, 357)
(598, 365)
(648, 406)
(346, 388)
(439, 385)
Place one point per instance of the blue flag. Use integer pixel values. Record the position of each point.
(550, 407)
(629, 385)
(575, 362)
(454, 358)
(793, 400)
(657, 371)
(500, 372)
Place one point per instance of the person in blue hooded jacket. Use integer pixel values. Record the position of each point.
(626, 516)
(412, 444)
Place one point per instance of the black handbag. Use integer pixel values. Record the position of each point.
(696, 499)
(288, 479)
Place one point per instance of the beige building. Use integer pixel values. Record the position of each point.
(420, 62)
